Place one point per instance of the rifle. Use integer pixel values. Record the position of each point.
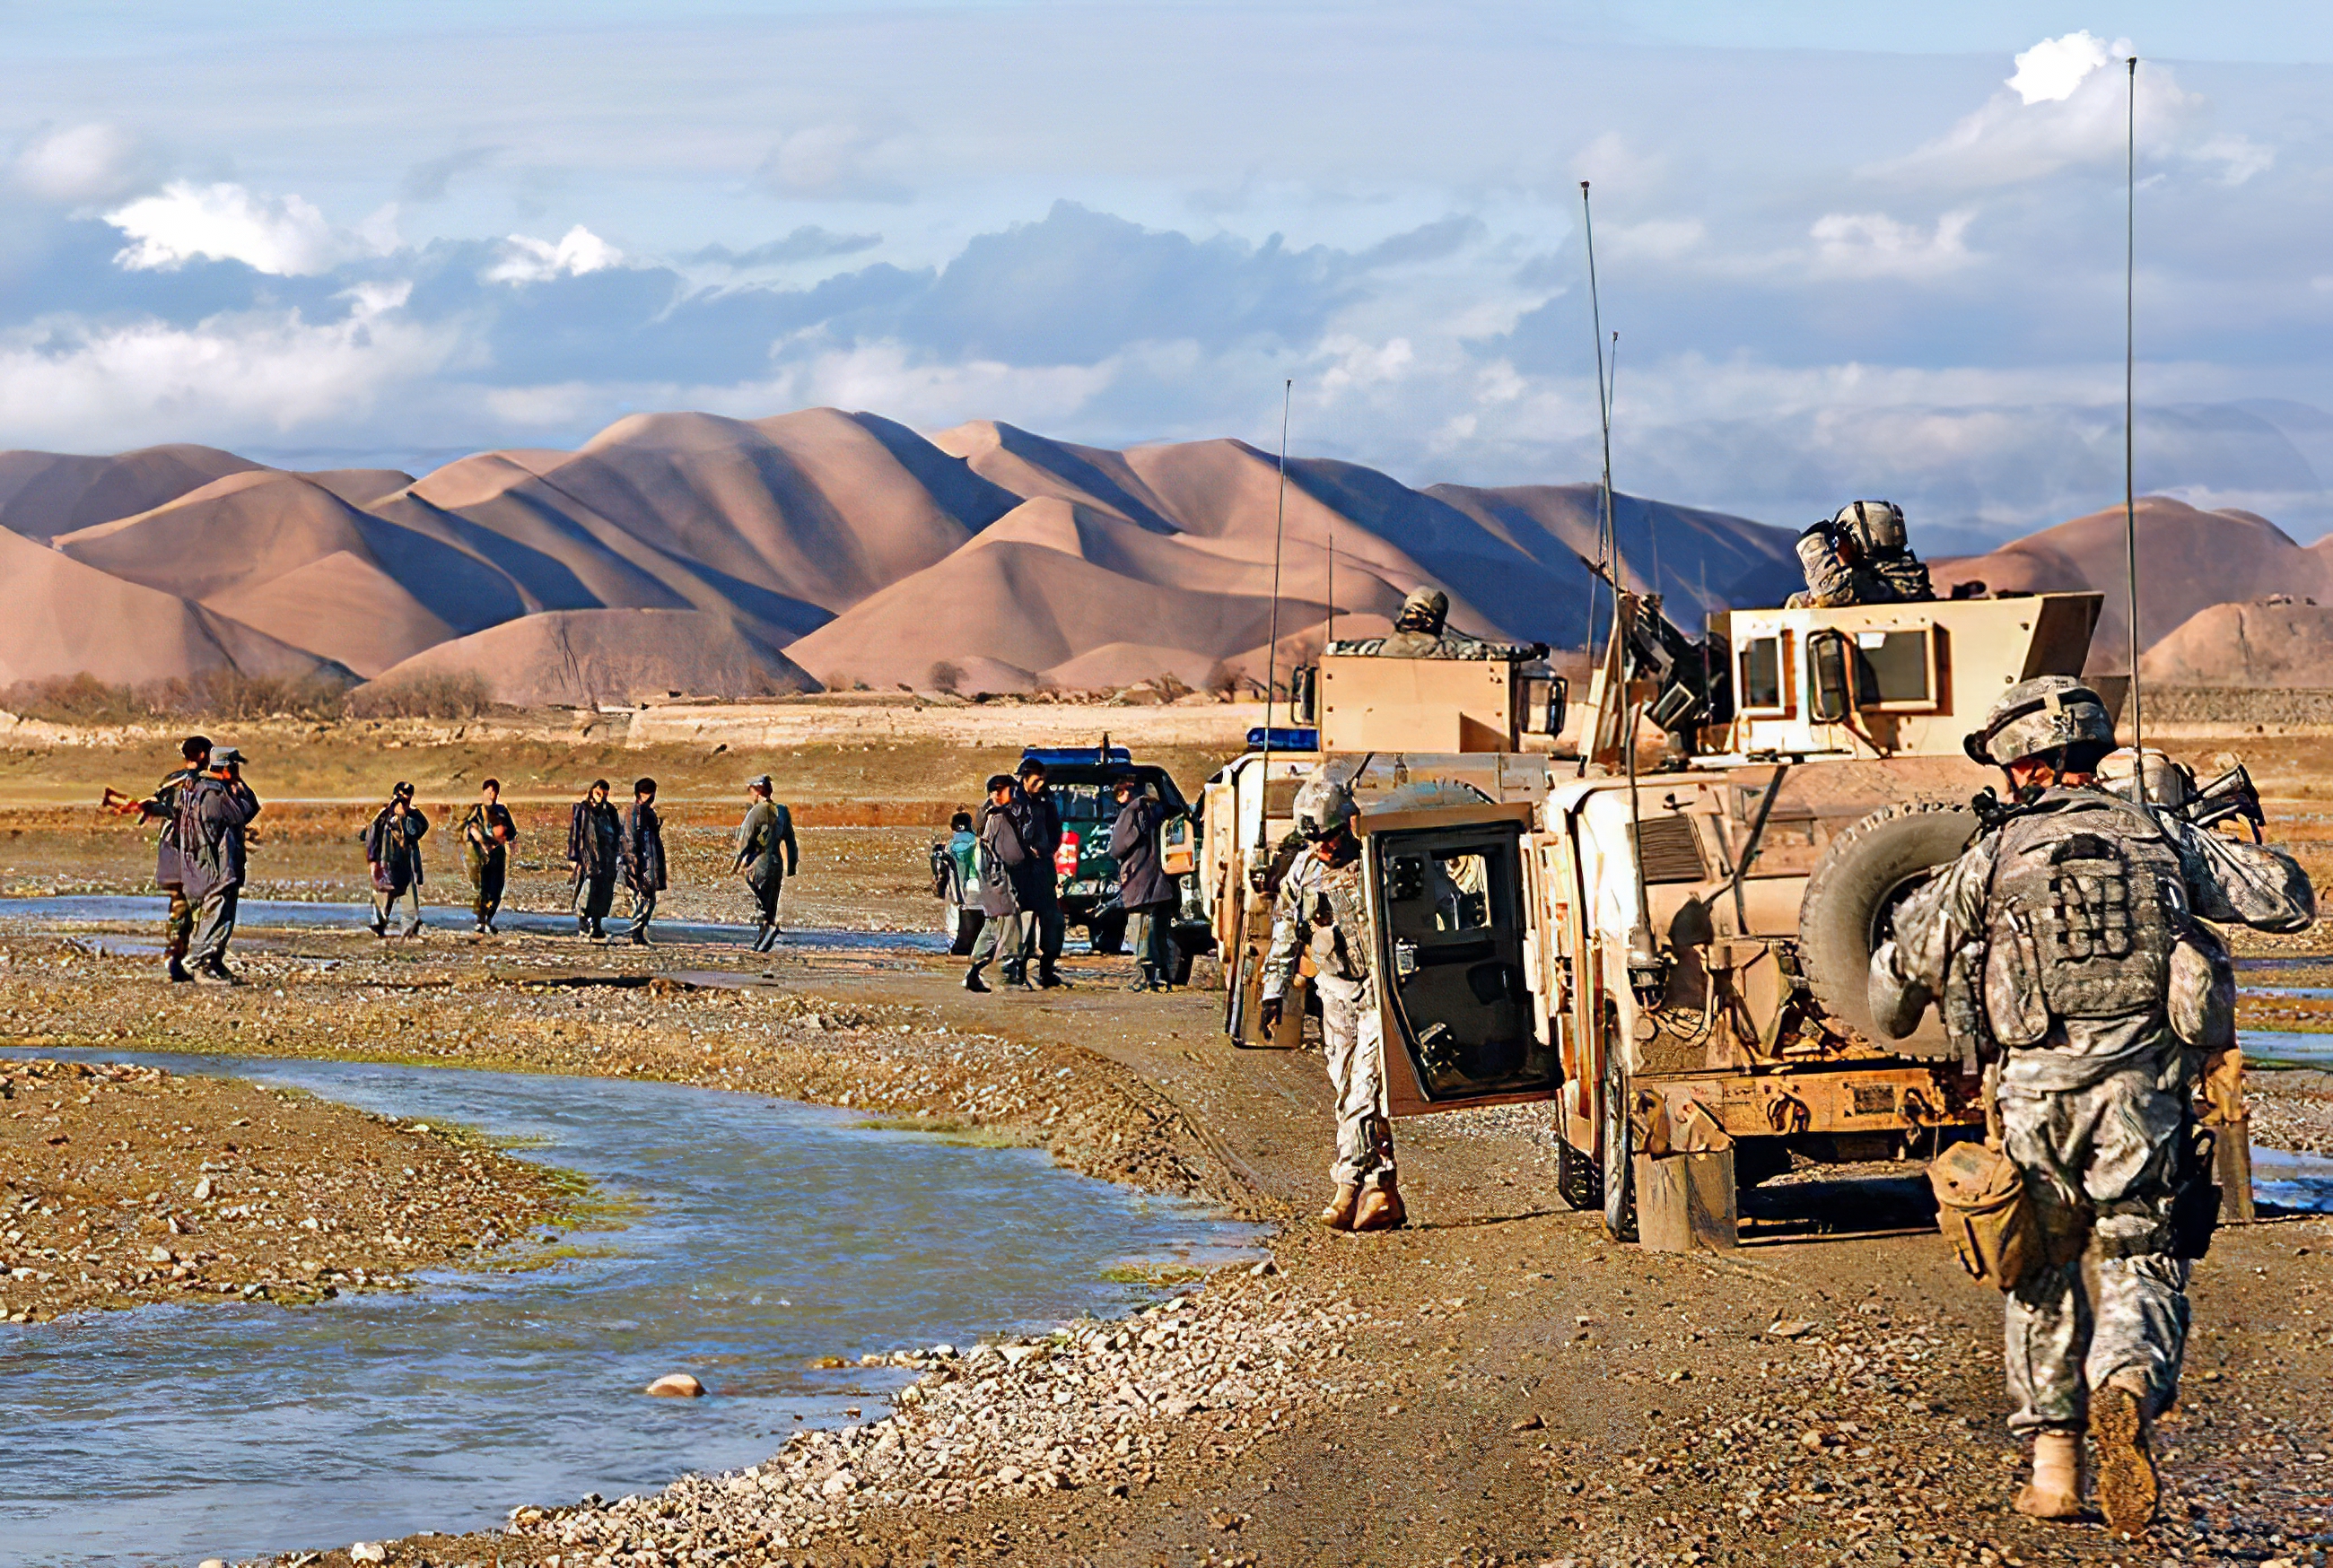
(1694, 673)
(2232, 794)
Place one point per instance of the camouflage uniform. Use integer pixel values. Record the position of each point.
(1885, 571)
(2076, 905)
(1319, 910)
(1421, 631)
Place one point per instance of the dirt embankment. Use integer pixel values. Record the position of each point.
(122, 1184)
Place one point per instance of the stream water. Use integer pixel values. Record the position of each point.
(768, 1234)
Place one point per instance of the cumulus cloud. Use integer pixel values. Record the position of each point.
(2051, 71)
(833, 162)
(527, 260)
(1875, 245)
(809, 242)
(95, 162)
(284, 235)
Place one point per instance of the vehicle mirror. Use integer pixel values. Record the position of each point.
(1831, 700)
(1543, 703)
(1303, 690)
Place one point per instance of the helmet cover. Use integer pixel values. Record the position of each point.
(2046, 714)
(1324, 807)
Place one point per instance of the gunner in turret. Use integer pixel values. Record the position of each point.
(1421, 631)
(1862, 556)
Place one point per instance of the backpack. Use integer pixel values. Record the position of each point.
(943, 872)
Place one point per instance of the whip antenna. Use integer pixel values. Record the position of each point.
(1609, 542)
(1271, 653)
(2130, 417)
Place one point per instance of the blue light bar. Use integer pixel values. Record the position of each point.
(1284, 738)
(1077, 756)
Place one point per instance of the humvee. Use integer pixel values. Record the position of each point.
(1675, 949)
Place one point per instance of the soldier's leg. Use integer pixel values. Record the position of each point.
(178, 926)
(1050, 927)
(2046, 1320)
(1352, 1046)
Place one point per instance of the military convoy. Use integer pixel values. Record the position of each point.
(1671, 947)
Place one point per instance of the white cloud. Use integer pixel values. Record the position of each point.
(1875, 245)
(85, 163)
(2241, 157)
(284, 236)
(527, 260)
(1656, 240)
(2051, 71)
(836, 161)
(1357, 364)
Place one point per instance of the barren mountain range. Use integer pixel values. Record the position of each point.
(691, 555)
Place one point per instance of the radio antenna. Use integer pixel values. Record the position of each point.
(1271, 653)
(2129, 419)
(1608, 543)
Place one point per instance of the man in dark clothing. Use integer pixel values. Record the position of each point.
(1144, 888)
(594, 853)
(393, 855)
(767, 855)
(162, 806)
(487, 834)
(643, 858)
(1040, 813)
(213, 812)
(1004, 861)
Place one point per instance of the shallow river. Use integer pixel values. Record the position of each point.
(768, 1233)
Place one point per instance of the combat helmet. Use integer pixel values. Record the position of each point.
(1324, 807)
(2047, 714)
(1424, 610)
(1877, 525)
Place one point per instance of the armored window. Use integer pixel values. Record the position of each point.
(1895, 670)
(1761, 675)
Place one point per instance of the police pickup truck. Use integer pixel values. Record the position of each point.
(1081, 777)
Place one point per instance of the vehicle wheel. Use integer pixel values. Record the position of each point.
(1619, 1137)
(1862, 875)
(1106, 932)
(1578, 1181)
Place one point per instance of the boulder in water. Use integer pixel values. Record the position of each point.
(676, 1386)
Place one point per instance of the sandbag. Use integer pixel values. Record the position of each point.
(1986, 1215)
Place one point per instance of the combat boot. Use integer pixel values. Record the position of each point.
(2055, 1491)
(176, 970)
(1381, 1208)
(1049, 979)
(1338, 1215)
(2123, 1439)
(973, 982)
(212, 972)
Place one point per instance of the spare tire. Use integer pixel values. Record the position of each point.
(1862, 875)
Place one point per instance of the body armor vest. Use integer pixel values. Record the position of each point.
(1336, 923)
(2086, 905)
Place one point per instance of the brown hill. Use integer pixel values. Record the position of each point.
(46, 493)
(2188, 560)
(2275, 642)
(581, 658)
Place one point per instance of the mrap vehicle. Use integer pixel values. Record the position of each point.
(1676, 954)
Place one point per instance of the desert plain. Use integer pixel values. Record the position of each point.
(1497, 1383)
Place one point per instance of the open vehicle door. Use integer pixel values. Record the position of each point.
(1446, 903)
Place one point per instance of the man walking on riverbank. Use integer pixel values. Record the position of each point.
(767, 856)
(393, 856)
(487, 834)
(1005, 871)
(162, 806)
(213, 812)
(643, 858)
(594, 854)
(1040, 811)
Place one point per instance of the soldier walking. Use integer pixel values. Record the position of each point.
(594, 854)
(1320, 910)
(1040, 815)
(1004, 863)
(213, 810)
(393, 856)
(1144, 888)
(487, 834)
(643, 858)
(2067, 935)
(162, 806)
(767, 856)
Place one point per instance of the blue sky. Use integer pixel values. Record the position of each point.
(1849, 249)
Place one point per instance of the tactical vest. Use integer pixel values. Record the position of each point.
(1336, 928)
(2085, 903)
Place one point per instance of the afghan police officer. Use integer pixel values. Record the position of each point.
(2067, 933)
(1320, 910)
(1862, 556)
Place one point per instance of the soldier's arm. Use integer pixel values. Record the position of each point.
(2233, 883)
(1828, 584)
(1287, 944)
(1939, 918)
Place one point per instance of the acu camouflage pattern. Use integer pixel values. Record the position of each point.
(1876, 577)
(1421, 631)
(1320, 911)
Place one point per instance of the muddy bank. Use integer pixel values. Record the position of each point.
(123, 1184)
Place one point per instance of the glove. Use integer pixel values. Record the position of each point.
(1268, 1015)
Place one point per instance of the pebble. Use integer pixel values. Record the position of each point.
(676, 1386)
(368, 1552)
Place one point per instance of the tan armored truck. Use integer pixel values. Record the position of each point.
(1675, 949)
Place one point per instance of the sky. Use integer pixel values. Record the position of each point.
(1848, 250)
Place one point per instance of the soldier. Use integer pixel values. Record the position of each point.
(594, 854)
(162, 806)
(767, 855)
(1421, 631)
(1004, 863)
(1862, 556)
(487, 834)
(213, 812)
(643, 858)
(393, 855)
(1319, 910)
(1040, 812)
(2066, 930)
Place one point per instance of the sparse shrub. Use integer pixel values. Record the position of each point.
(1225, 680)
(945, 676)
(1170, 685)
(454, 694)
(83, 698)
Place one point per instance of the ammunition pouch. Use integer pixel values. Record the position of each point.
(1986, 1215)
(2195, 1195)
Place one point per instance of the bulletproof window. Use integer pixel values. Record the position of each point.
(1762, 675)
(1894, 670)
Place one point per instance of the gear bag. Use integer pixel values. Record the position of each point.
(1986, 1215)
(2081, 914)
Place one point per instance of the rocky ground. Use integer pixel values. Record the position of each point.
(122, 1184)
